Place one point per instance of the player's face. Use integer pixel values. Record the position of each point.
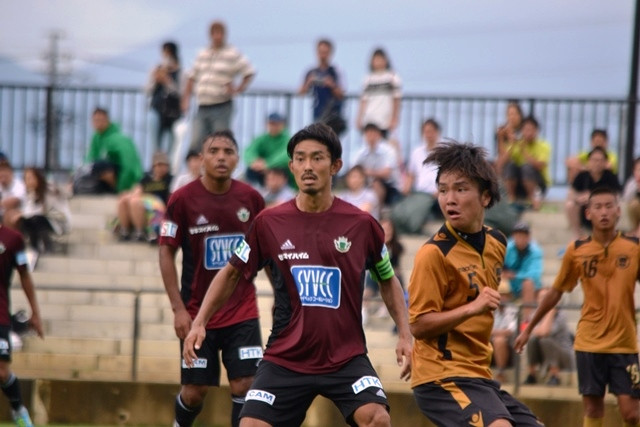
(461, 202)
(312, 167)
(219, 158)
(603, 211)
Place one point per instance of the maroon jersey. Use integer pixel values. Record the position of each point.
(12, 255)
(318, 261)
(208, 227)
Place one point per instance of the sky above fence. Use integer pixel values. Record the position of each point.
(501, 47)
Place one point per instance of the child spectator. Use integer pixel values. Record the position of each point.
(358, 194)
(550, 346)
(523, 266)
(596, 175)
(277, 188)
(143, 207)
(379, 160)
(194, 170)
(45, 211)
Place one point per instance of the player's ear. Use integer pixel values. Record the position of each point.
(336, 165)
(485, 198)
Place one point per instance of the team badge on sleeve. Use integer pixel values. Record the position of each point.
(168, 229)
(21, 258)
(242, 251)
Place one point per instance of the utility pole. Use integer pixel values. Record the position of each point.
(632, 98)
(52, 133)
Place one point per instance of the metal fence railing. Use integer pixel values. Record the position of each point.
(51, 128)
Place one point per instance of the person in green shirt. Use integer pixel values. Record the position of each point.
(115, 158)
(267, 151)
(526, 165)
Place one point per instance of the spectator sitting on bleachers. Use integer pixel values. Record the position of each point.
(632, 198)
(523, 266)
(276, 185)
(143, 207)
(510, 131)
(358, 194)
(115, 158)
(194, 170)
(12, 194)
(577, 164)
(268, 151)
(379, 160)
(419, 189)
(45, 211)
(596, 175)
(525, 166)
(505, 320)
(550, 346)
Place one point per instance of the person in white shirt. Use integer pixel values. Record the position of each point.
(12, 193)
(381, 95)
(194, 170)
(379, 160)
(420, 189)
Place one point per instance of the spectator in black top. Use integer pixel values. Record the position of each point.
(140, 210)
(596, 175)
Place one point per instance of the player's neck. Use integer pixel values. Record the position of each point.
(216, 186)
(314, 203)
(604, 237)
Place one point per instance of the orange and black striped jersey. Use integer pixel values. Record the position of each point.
(448, 273)
(608, 276)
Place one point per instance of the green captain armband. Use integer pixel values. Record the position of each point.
(383, 269)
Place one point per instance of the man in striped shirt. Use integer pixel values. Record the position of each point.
(213, 75)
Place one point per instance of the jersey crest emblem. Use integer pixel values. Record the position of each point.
(622, 261)
(243, 214)
(342, 244)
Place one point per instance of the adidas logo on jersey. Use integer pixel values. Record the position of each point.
(202, 220)
(287, 246)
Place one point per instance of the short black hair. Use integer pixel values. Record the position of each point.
(325, 42)
(226, 133)
(602, 189)
(372, 126)
(100, 110)
(468, 160)
(598, 149)
(532, 120)
(599, 132)
(432, 122)
(380, 52)
(191, 153)
(317, 132)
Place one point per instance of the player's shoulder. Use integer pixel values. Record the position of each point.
(496, 235)
(442, 242)
(244, 188)
(630, 238)
(9, 236)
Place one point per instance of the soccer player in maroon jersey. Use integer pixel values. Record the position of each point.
(13, 256)
(208, 219)
(317, 247)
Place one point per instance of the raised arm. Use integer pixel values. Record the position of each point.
(220, 290)
(393, 297)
